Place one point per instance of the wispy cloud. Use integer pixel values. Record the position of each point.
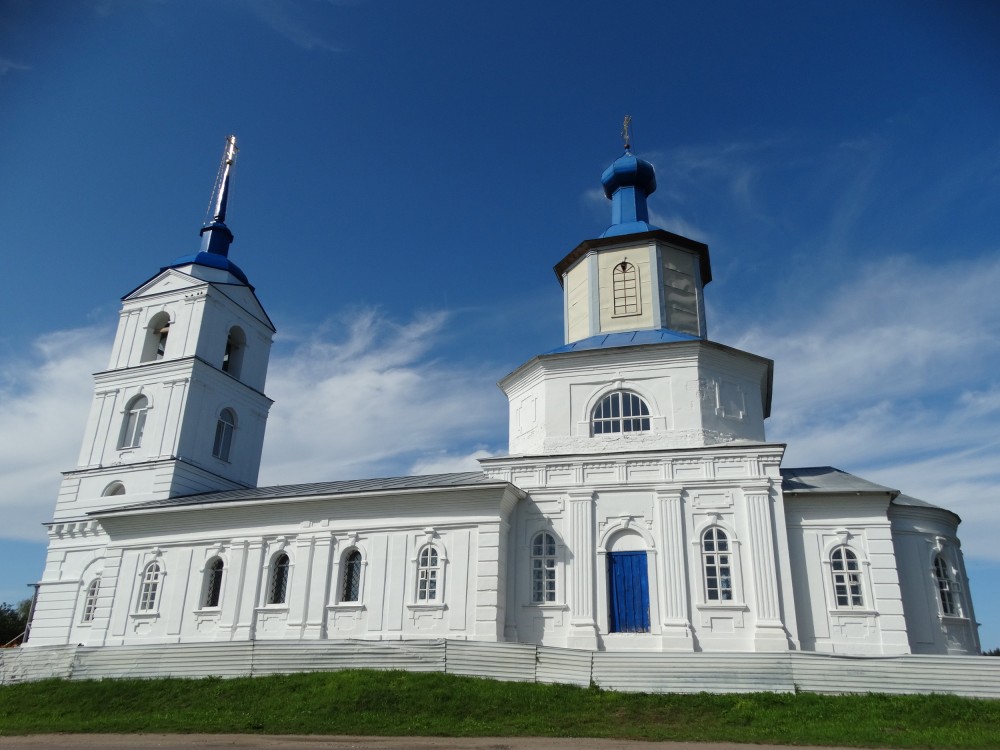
(361, 396)
(9, 66)
(679, 225)
(292, 20)
(444, 462)
(893, 374)
(374, 400)
(45, 394)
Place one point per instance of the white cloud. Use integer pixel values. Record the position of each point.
(895, 375)
(6, 66)
(678, 225)
(45, 395)
(291, 20)
(444, 462)
(371, 401)
(375, 402)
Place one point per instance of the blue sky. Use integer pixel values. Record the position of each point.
(410, 172)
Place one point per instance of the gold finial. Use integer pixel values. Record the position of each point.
(625, 131)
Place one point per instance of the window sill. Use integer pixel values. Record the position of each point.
(842, 611)
(272, 608)
(347, 606)
(145, 615)
(955, 619)
(545, 605)
(208, 610)
(428, 605)
(732, 606)
(626, 315)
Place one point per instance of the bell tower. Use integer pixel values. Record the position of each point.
(181, 407)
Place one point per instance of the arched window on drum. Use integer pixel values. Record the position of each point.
(618, 412)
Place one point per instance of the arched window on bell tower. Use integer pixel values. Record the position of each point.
(224, 430)
(133, 423)
(236, 344)
(155, 346)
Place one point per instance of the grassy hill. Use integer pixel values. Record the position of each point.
(404, 703)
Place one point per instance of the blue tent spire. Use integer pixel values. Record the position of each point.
(627, 183)
(215, 235)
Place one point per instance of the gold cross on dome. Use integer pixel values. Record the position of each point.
(626, 124)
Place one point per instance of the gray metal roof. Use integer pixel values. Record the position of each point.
(915, 502)
(826, 479)
(347, 487)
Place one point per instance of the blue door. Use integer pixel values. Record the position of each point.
(628, 592)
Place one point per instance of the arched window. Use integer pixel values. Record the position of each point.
(113, 489)
(620, 411)
(625, 283)
(947, 588)
(151, 577)
(90, 601)
(543, 568)
(134, 422)
(846, 572)
(277, 588)
(351, 589)
(717, 561)
(224, 429)
(428, 568)
(232, 359)
(155, 346)
(213, 583)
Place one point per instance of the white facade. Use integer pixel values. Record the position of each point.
(640, 508)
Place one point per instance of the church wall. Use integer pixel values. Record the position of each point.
(920, 534)
(668, 286)
(729, 390)
(697, 396)
(73, 559)
(639, 257)
(682, 304)
(873, 624)
(577, 300)
(83, 492)
(660, 505)
(465, 527)
(221, 314)
(211, 392)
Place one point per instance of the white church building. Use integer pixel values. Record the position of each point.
(640, 506)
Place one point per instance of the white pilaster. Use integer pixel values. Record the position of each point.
(676, 625)
(250, 583)
(770, 633)
(319, 586)
(583, 625)
(301, 573)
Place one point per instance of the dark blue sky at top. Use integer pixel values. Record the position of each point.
(443, 156)
(450, 143)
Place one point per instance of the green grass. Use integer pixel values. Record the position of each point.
(403, 703)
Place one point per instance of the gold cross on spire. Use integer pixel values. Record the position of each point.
(626, 124)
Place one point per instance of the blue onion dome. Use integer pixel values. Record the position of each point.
(629, 171)
(627, 183)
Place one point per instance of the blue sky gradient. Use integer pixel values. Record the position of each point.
(410, 172)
